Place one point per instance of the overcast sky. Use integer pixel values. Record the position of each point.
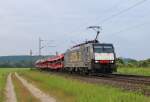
(22, 22)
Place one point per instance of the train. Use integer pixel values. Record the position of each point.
(88, 57)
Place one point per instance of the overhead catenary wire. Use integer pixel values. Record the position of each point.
(122, 11)
(130, 28)
(116, 14)
(88, 24)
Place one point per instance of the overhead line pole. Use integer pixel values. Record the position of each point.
(40, 46)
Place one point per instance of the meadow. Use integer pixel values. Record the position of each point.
(69, 90)
(134, 70)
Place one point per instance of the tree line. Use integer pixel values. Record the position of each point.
(19, 61)
(29, 61)
(120, 62)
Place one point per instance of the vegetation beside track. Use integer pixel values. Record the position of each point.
(70, 90)
(134, 71)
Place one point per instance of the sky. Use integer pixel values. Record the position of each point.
(63, 23)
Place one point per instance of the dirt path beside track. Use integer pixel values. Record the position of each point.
(10, 93)
(35, 91)
(22, 93)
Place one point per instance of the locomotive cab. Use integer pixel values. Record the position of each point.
(104, 58)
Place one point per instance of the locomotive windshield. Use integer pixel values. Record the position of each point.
(103, 49)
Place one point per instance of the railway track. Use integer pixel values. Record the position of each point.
(133, 83)
(134, 79)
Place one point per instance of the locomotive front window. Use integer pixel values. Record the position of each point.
(103, 49)
(98, 49)
(108, 49)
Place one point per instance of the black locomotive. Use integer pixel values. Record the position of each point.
(91, 57)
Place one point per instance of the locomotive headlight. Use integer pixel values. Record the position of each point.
(112, 61)
(96, 61)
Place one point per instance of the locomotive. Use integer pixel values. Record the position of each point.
(89, 57)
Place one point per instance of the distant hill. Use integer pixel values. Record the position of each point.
(19, 61)
(126, 60)
(28, 61)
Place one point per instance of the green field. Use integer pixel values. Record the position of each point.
(136, 71)
(71, 90)
(76, 91)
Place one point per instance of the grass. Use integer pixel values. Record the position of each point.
(136, 71)
(76, 91)
(3, 76)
